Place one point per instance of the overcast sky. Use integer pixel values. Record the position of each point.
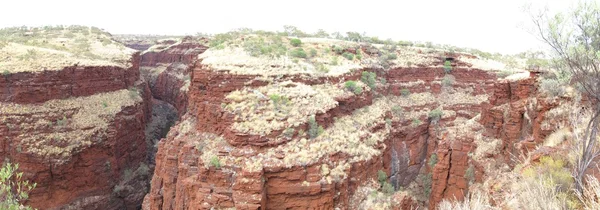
(494, 26)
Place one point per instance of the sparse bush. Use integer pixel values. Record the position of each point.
(278, 99)
(433, 160)
(338, 49)
(416, 122)
(352, 86)
(388, 121)
(405, 92)
(104, 104)
(295, 42)
(448, 80)
(215, 162)
(335, 61)
(13, 190)
(314, 129)
(470, 174)
(397, 111)
(552, 87)
(435, 115)
(313, 52)
(61, 122)
(426, 181)
(369, 78)
(358, 55)
(5, 73)
(391, 56)
(381, 177)
(348, 55)
(387, 188)
(321, 67)
(447, 67)
(298, 53)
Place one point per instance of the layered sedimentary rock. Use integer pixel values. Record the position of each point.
(246, 140)
(72, 115)
(166, 66)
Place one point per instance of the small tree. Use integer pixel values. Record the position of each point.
(13, 190)
(575, 41)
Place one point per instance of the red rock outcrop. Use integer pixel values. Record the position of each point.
(74, 81)
(71, 174)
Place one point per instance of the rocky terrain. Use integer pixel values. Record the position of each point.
(261, 121)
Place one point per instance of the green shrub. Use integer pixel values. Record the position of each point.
(433, 160)
(295, 42)
(416, 122)
(426, 181)
(358, 55)
(313, 52)
(348, 55)
(13, 189)
(298, 53)
(5, 73)
(278, 99)
(338, 49)
(435, 115)
(214, 161)
(369, 78)
(448, 80)
(391, 56)
(289, 133)
(381, 177)
(405, 92)
(352, 86)
(334, 61)
(61, 122)
(104, 104)
(314, 129)
(470, 174)
(387, 188)
(133, 93)
(447, 67)
(388, 121)
(397, 111)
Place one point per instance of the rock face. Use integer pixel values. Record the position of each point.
(74, 81)
(81, 151)
(167, 68)
(182, 180)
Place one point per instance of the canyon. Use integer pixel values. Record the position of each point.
(182, 125)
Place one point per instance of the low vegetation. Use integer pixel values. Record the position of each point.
(13, 189)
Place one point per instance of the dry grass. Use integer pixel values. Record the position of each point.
(282, 105)
(53, 48)
(75, 122)
(475, 201)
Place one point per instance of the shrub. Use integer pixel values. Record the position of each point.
(5, 73)
(313, 52)
(338, 49)
(298, 53)
(387, 188)
(426, 181)
(352, 86)
(397, 111)
(348, 55)
(288, 133)
(552, 87)
(470, 174)
(214, 161)
(448, 80)
(447, 67)
(381, 177)
(133, 93)
(12, 188)
(391, 56)
(433, 160)
(322, 68)
(435, 115)
(405, 92)
(278, 99)
(388, 121)
(358, 55)
(295, 42)
(314, 129)
(416, 122)
(369, 78)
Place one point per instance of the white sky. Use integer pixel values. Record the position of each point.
(492, 26)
